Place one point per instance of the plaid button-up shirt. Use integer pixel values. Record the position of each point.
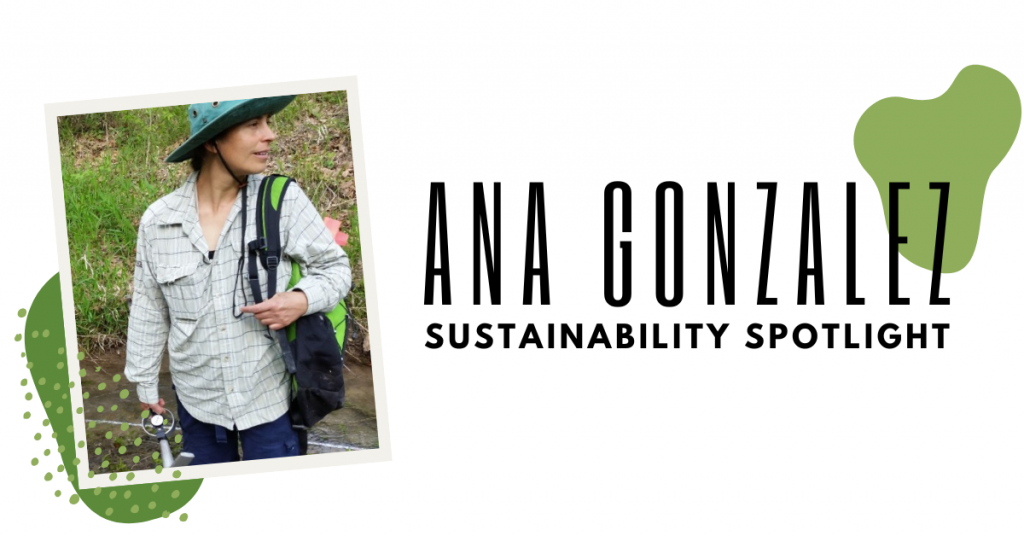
(226, 370)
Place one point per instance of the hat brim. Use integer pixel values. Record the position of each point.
(230, 118)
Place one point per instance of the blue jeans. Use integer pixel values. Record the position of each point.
(211, 443)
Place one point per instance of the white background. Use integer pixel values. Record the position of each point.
(705, 441)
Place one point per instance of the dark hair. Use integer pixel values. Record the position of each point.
(197, 160)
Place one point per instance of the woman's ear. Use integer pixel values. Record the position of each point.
(211, 147)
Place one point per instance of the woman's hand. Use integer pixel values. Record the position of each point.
(157, 408)
(281, 310)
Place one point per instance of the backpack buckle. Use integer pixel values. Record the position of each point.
(258, 244)
(272, 261)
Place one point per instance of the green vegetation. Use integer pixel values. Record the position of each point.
(112, 166)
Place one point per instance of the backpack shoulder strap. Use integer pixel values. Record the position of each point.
(267, 247)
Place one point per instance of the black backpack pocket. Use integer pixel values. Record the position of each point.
(318, 370)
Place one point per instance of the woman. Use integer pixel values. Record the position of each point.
(191, 290)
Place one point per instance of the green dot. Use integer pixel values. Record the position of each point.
(48, 404)
(159, 469)
(137, 442)
(79, 411)
(60, 365)
(109, 511)
(176, 474)
(60, 350)
(92, 474)
(105, 464)
(117, 378)
(113, 476)
(42, 381)
(76, 461)
(48, 477)
(113, 408)
(109, 435)
(99, 409)
(81, 444)
(81, 373)
(135, 459)
(177, 438)
(56, 493)
(128, 494)
(23, 354)
(73, 499)
(46, 333)
(22, 313)
(70, 428)
(54, 435)
(28, 396)
(113, 494)
(35, 461)
(17, 337)
(184, 517)
(28, 365)
(60, 410)
(135, 508)
(121, 450)
(46, 422)
(124, 426)
(24, 382)
(98, 451)
(38, 436)
(166, 514)
(156, 455)
(64, 396)
(101, 386)
(61, 449)
(154, 488)
(175, 494)
(60, 468)
(96, 491)
(35, 334)
(152, 505)
(71, 385)
(92, 424)
(46, 452)
(145, 413)
(124, 394)
(28, 415)
(85, 395)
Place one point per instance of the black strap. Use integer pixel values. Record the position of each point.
(267, 248)
(241, 257)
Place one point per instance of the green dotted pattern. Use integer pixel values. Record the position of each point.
(44, 349)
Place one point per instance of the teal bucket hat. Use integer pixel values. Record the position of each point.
(211, 118)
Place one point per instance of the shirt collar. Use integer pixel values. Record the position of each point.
(181, 205)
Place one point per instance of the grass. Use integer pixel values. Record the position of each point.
(112, 168)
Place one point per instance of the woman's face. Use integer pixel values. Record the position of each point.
(246, 146)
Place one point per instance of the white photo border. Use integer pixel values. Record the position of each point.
(347, 84)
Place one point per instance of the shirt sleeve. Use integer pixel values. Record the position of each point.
(326, 274)
(148, 325)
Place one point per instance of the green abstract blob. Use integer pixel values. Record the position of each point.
(959, 137)
(46, 314)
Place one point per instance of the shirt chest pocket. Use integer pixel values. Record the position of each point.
(185, 289)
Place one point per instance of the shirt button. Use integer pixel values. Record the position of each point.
(222, 328)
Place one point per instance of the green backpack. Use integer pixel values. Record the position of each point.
(314, 345)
